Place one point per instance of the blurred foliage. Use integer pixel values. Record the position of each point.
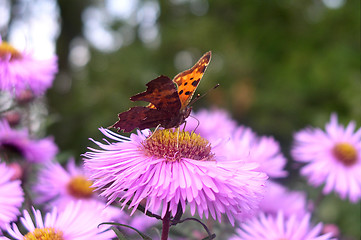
(282, 65)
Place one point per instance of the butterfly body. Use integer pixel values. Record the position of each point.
(168, 100)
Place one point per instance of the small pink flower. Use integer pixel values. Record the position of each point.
(41, 150)
(279, 198)
(58, 187)
(20, 71)
(239, 142)
(75, 222)
(270, 227)
(11, 196)
(265, 151)
(211, 124)
(332, 157)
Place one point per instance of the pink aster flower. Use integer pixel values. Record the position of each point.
(19, 141)
(73, 223)
(244, 143)
(279, 198)
(241, 141)
(20, 71)
(173, 169)
(58, 187)
(332, 157)
(211, 124)
(11, 196)
(269, 227)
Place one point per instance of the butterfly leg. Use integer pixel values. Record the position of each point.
(197, 123)
(155, 130)
(177, 137)
(184, 126)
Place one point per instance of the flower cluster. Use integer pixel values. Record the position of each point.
(213, 168)
(71, 215)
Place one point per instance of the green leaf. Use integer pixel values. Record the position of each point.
(118, 233)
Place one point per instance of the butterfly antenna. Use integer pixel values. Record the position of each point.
(197, 122)
(200, 96)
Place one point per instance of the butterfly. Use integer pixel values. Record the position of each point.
(168, 100)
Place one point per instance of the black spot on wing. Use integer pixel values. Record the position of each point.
(187, 93)
(195, 82)
(180, 92)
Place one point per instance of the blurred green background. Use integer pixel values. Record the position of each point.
(281, 65)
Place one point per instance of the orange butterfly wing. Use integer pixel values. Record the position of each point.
(167, 102)
(188, 80)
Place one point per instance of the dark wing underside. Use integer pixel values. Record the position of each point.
(162, 93)
(142, 118)
(163, 110)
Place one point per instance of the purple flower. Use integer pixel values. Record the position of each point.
(19, 141)
(265, 151)
(278, 198)
(172, 168)
(75, 222)
(61, 186)
(212, 125)
(239, 141)
(58, 187)
(20, 71)
(279, 227)
(332, 157)
(11, 196)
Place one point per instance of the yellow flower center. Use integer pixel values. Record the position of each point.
(44, 234)
(8, 50)
(80, 187)
(174, 145)
(345, 153)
